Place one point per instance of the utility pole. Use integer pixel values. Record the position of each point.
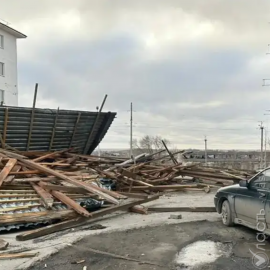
(261, 128)
(205, 149)
(131, 131)
(265, 147)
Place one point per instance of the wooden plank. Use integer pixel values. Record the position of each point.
(168, 151)
(15, 169)
(134, 177)
(9, 166)
(75, 182)
(182, 209)
(54, 129)
(32, 118)
(69, 202)
(10, 219)
(5, 128)
(94, 125)
(46, 197)
(48, 155)
(57, 164)
(164, 187)
(79, 221)
(115, 256)
(75, 129)
(11, 256)
(25, 172)
(62, 188)
(134, 195)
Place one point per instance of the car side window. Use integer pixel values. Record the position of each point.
(262, 180)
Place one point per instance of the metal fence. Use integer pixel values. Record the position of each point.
(28, 129)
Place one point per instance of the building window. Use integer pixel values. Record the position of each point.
(2, 41)
(2, 97)
(2, 69)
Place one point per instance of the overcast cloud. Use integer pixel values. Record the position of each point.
(191, 68)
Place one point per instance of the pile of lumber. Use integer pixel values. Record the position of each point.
(49, 188)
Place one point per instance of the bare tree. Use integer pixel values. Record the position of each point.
(149, 144)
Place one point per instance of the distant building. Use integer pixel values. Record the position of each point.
(8, 65)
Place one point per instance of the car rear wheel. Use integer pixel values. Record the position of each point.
(226, 214)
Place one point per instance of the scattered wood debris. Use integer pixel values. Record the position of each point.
(7, 256)
(64, 190)
(181, 209)
(78, 262)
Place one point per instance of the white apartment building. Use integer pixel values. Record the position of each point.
(8, 65)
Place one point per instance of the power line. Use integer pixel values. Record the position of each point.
(205, 149)
(262, 131)
(179, 127)
(131, 126)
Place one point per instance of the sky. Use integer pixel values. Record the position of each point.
(191, 68)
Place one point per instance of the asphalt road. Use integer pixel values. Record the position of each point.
(216, 247)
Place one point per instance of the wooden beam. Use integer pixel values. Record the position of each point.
(69, 202)
(168, 151)
(94, 125)
(9, 166)
(80, 221)
(54, 128)
(134, 195)
(10, 219)
(32, 118)
(182, 209)
(62, 188)
(48, 155)
(5, 128)
(45, 196)
(75, 129)
(25, 172)
(134, 177)
(15, 169)
(164, 187)
(11, 256)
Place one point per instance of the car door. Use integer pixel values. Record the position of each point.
(266, 218)
(250, 202)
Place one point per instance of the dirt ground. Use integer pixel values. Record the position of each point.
(159, 245)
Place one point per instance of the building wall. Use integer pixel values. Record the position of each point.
(8, 82)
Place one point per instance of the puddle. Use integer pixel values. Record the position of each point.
(200, 253)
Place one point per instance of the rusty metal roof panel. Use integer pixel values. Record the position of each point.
(17, 198)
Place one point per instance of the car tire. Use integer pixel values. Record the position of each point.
(226, 214)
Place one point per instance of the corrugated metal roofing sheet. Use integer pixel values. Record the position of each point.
(17, 198)
(70, 128)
